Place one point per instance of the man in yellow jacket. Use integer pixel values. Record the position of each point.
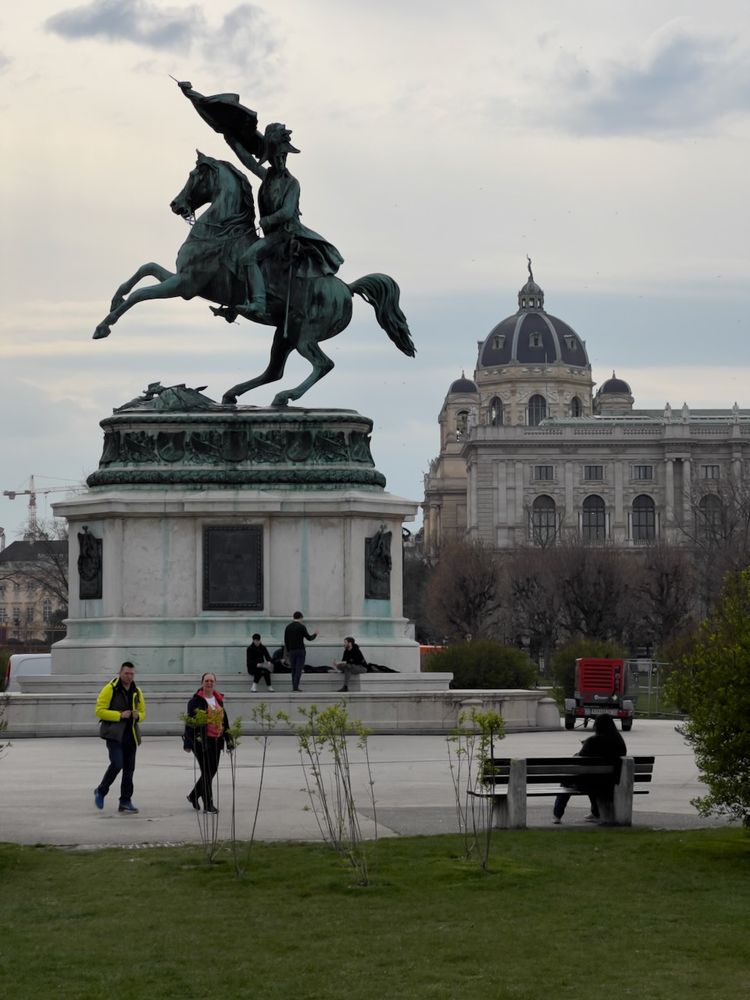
(120, 707)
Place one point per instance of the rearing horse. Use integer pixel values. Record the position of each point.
(304, 309)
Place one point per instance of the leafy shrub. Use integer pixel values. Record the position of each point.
(712, 680)
(485, 665)
(563, 661)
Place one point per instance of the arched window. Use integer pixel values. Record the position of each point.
(537, 410)
(594, 519)
(644, 519)
(576, 407)
(462, 424)
(710, 518)
(543, 521)
(496, 412)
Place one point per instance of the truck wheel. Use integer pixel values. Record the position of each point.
(570, 721)
(627, 725)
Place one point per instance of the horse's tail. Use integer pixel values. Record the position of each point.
(383, 294)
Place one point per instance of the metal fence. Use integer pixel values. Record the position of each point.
(647, 687)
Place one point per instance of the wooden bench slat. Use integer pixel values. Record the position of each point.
(505, 761)
(541, 793)
(551, 770)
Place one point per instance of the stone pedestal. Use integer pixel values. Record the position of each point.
(212, 523)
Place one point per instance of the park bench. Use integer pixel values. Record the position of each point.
(508, 782)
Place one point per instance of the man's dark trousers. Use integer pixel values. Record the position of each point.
(296, 662)
(121, 758)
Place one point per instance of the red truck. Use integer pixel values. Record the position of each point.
(602, 687)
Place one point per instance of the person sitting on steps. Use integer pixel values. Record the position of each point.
(258, 662)
(351, 662)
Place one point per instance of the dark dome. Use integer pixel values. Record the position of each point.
(531, 288)
(615, 384)
(463, 384)
(532, 336)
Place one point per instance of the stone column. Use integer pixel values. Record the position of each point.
(570, 513)
(687, 492)
(669, 500)
(519, 519)
(619, 527)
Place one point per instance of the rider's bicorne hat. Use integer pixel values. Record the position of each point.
(277, 139)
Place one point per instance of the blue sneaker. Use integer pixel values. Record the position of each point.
(127, 807)
(98, 799)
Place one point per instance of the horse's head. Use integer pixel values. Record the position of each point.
(199, 188)
(215, 181)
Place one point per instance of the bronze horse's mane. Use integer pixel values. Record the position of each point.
(248, 201)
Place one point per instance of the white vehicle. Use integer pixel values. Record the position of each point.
(26, 665)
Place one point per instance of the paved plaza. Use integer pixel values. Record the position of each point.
(47, 788)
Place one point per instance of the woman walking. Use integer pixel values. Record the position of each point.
(206, 734)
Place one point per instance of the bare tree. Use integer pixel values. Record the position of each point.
(666, 593)
(596, 593)
(416, 574)
(718, 531)
(466, 593)
(535, 601)
(568, 590)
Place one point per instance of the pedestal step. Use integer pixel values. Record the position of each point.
(187, 684)
(380, 708)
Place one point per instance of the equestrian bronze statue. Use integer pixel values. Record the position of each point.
(285, 278)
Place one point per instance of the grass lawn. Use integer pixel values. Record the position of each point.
(564, 913)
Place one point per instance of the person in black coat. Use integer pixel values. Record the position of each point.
(608, 743)
(352, 661)
(258, 662)
(207, 739)
(294, 643)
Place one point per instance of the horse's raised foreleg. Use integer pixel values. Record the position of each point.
(173, 286)
(309, 348)
(150, 270)
(280, 351)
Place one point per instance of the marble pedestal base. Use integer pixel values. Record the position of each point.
(153, 608)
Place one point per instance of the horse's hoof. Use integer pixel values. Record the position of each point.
(281, 400)
(101, 332)
(228, 399)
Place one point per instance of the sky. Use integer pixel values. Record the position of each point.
(441, 143)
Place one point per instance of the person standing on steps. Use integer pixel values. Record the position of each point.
(294, 641)
(120, 708)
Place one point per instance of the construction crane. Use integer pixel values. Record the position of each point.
(33, 523)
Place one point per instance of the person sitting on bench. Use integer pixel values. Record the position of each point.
(606, 742)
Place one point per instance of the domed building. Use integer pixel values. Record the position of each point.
(529, 454)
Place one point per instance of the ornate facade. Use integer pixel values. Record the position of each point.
(529, 453)
(30, 587)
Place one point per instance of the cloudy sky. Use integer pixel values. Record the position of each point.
(440, 143)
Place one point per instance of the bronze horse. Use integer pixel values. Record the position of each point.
(305, 308)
